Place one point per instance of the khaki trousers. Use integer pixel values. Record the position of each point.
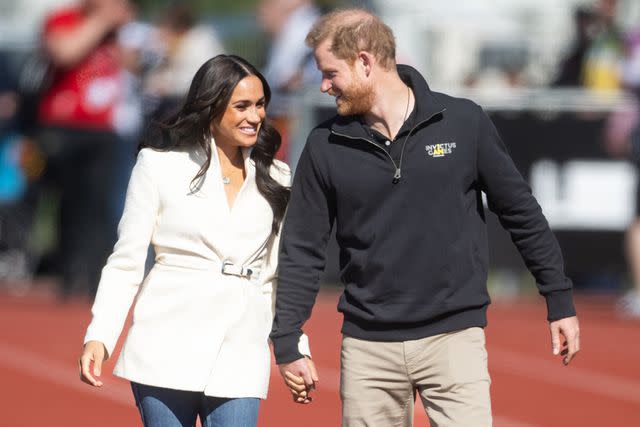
(379, 381)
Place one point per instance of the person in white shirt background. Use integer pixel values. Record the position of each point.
(289, 66)
(207, 193)
(184, 44)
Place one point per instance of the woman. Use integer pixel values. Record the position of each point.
(210, 200)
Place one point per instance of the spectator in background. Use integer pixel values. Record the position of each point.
(603, 58)
(624, 141)
(570, 73)
(77, 132)
(186, 45)
(290, 64)
(138, 54)
(8, 96)
(15, 217)
(594, 61)
(11, 179)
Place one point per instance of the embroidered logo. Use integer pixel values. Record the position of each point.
(440, 150)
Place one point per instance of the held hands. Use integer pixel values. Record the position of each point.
(93, 351)
(301, 378)
(569, 330)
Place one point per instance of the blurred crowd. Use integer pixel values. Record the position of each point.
(73, 114)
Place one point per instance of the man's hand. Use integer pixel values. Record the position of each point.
(301, 377)
(566, 331)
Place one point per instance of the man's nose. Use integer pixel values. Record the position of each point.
(325, 85)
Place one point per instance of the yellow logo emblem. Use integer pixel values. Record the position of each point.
(440, 150)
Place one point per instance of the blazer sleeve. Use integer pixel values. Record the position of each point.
(124, 270)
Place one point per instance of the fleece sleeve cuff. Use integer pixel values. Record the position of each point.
(286, 349)
(560, 305)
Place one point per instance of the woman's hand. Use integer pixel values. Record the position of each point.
(301, 377)
(93, 351)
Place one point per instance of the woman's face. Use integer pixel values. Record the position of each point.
(241, 121)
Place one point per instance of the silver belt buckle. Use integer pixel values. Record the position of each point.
(226, 264)
(228, 268)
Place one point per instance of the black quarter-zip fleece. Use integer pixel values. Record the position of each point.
(411, 231)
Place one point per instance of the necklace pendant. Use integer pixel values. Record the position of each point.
(226, 180)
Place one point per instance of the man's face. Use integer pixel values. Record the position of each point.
(344, 81)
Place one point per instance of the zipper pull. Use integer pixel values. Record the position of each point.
(397, 176)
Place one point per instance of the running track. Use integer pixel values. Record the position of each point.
(40, 340)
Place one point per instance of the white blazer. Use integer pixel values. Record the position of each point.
(194, 328)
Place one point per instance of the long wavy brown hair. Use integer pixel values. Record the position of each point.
(206, 101)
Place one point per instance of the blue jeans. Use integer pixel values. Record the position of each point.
(164, 407)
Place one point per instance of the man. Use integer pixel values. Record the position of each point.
(400, 171)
